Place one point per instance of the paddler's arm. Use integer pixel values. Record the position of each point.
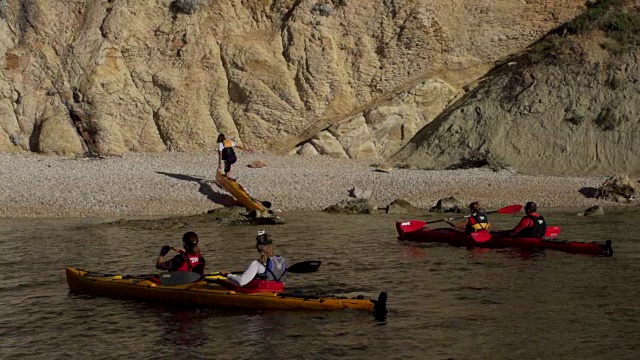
(247, 276)
(523, 224)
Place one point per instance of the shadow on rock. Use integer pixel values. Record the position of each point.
(234, 215)
(588, 192)
(205, 189)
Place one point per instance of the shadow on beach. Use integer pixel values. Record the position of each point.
(205, 189)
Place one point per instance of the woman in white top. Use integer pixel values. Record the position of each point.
(266, 274)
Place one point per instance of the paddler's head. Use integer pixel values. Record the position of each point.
(190, 242)
(221, 138)
(264, 245)
(530, 207)
(474, 206)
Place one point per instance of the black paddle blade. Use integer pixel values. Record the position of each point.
(173, 278)
(304, 267)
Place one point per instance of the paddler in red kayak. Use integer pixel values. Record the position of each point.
(477, 221)
(188, 259)
(532, 225)
(266, 274)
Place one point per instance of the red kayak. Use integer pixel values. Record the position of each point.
(498, 241)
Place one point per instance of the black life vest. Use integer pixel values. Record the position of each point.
(481, 222)
(536, 230)
(228, 154)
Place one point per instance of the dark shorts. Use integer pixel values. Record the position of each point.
(227, 165)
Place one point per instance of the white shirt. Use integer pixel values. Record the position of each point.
(254, 269)
(221, 145)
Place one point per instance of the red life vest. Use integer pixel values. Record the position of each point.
(272, 280)
(189, 263)
(258, 285)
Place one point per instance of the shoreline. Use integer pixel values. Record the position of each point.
(178, 184)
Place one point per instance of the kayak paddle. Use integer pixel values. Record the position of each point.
(413, 225)
(552, 231)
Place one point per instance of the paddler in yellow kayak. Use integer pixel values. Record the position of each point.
(477, 221)
(188, 259)
(266, 274)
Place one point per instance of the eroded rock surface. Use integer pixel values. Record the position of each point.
(345, 78)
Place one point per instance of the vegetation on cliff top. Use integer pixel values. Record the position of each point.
(618, 20)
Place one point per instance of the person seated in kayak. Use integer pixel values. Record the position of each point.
(226, 154)
(532, 225)
(266, 274)
(188, 259)
(477, 221)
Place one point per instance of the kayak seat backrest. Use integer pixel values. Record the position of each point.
(173, 278)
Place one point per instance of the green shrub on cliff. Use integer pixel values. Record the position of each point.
(610, 16)
(619, 22)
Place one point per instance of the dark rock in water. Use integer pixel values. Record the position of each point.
(449, 204)
(235, 215)
(596, 210)
(400, 206)
(353, 206)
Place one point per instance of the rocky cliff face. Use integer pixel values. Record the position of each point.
(353, 78)
(567, 106)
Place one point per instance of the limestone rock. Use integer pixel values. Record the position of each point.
(160, 75)
(327, 144)
(308, 150)
(400, 206)
(448, 204)
(359, 193)
(257, 164)
(575, 112)
(619, 188)
(595, 210)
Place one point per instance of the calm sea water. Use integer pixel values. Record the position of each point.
(444, 302)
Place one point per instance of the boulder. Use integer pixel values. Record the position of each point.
(618, 188)
(307, 149)
(257, 164)
(399, 206)
(448, 204)
(595, 210)
(359, 193)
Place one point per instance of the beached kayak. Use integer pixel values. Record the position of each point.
(208, 294)
(457, 238)
(239, 193)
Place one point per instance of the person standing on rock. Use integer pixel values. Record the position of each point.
(188, 259)
(477, 221)
(226, 154)
(532, 225)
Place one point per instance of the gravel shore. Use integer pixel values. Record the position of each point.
(180, 184)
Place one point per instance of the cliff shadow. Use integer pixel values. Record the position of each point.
(588, 192)
(205, 189)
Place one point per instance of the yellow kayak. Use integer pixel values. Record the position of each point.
(239, 193)
(208, 294)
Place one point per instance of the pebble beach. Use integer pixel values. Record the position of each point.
(138, 185)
